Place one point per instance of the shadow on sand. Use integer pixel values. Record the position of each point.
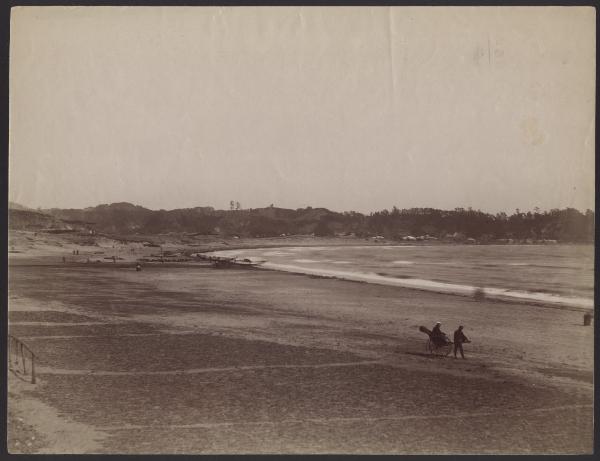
(426, 355)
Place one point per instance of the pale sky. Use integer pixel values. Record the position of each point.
(346, 108)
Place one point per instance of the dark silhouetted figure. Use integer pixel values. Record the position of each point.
(459, 339)
(437, 335)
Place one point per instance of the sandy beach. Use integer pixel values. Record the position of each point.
(246, 230)
(192, 359)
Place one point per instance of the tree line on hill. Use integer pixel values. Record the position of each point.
(568, 225)
(565, 225)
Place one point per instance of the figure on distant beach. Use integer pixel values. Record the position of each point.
(459, 339)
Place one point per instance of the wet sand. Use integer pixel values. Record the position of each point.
(200, 360)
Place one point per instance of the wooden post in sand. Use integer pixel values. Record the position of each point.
(23, 362)
(32, 368)
(587, 319)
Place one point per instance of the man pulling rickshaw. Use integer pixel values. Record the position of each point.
(459, 340)
(440, 344)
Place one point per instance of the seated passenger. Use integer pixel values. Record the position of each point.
(438, 337)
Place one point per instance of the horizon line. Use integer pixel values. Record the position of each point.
(299, 208)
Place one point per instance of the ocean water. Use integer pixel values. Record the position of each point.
(552, 274)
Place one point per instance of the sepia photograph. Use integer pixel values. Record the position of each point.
(301, 230)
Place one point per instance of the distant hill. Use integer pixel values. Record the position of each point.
(16, 206)
(23, 218)
(126, 218)
(568, 225)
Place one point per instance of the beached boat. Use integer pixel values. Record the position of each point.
(222, 262)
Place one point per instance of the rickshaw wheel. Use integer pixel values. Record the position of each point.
(443, 350)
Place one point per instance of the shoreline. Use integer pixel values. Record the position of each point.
(579, 304)
(494, 293)
(490, 294)
(35, 250)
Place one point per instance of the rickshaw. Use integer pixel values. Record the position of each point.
(438, 346)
